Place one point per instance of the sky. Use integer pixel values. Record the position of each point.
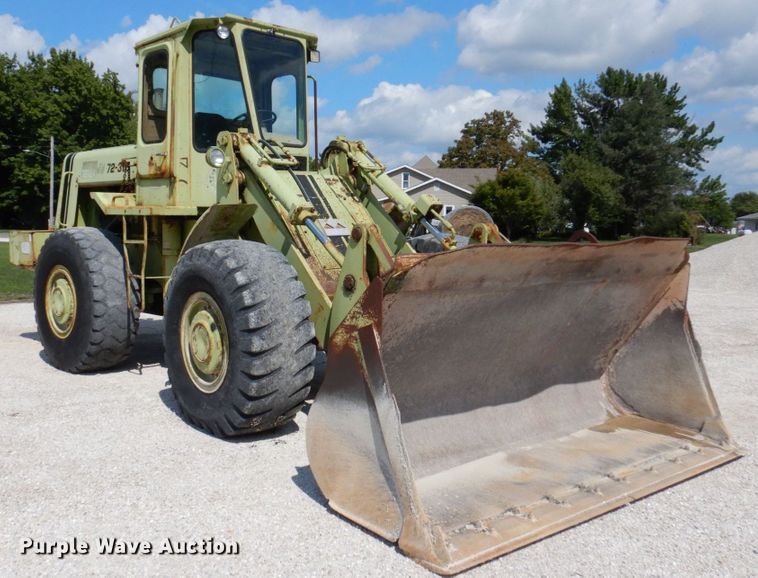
(404, 76)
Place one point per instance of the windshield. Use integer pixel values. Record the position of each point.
(276, 67)
(218, 97)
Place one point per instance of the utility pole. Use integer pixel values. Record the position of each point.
(51, 219)
(51, 158)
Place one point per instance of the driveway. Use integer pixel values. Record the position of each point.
(106, 455)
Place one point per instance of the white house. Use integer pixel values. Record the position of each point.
(749, 222)
(451, 186)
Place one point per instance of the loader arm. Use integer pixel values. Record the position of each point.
(353, 161)
(279, 199)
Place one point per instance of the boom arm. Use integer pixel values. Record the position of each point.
(357, 160)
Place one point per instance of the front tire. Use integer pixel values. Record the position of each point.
(80, 301)
(238, 338)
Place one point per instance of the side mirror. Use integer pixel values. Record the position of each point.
(157, 99)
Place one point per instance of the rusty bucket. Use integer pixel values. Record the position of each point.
(479, 400)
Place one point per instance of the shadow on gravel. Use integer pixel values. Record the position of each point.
(147, 351)
(304, 480)
(278, 435)
(307, 483)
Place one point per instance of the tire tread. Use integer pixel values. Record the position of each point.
(113, 329)
(272, 329)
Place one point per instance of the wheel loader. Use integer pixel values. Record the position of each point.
(475, 400)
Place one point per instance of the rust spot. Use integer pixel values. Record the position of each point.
(157, 166)
(327, 278)
(405, 262)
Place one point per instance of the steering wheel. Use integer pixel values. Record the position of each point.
(267, 117)
(242, 119)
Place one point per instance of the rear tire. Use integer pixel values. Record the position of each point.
(238, 338)
(80, 301)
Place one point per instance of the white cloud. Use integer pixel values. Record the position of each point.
(752, 116)
(720, 74)
(568, 36)
(345, 38)
(71, 43)
(738, 164)
(366, 65)
(404, 121)
(15, 39)
(126, 21)
(117, 52)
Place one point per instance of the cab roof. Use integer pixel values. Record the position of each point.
(182, 29)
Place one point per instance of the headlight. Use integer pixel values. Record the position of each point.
(222, 31)
(215, 157)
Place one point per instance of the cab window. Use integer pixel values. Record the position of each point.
(276, 66)
(218, 96)
(155, 96)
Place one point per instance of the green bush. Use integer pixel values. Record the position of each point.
(672, 222)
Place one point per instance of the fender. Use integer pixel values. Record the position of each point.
(218, 222)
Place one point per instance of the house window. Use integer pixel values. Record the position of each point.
(406, 180)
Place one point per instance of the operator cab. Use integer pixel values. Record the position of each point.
(210, 75)
(275, 69)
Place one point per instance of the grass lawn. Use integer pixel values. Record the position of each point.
(15, 282)
(710, 239)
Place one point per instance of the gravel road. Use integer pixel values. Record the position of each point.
(106, 455)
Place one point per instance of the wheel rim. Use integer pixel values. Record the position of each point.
(60, 302)
(204, 342)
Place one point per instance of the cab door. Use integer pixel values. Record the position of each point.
(154, 163)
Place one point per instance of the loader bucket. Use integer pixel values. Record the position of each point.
(479, 400)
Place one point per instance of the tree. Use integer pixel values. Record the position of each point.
(560, 133)
(59, 95)
(589, 191)
(635, 125)
(517, 200)
(523, 198)
(744, 203)
(708, 200)
(670, 222)
(494, 141)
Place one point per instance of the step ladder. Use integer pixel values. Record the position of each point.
(131, 276)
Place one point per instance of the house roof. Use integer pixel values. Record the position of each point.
(464, 178)
(465, 192)
(409, 169)
(436, 181)
(425, 163)
(750, 217)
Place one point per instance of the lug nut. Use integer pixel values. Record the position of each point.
(356, 234)
(349, 282)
